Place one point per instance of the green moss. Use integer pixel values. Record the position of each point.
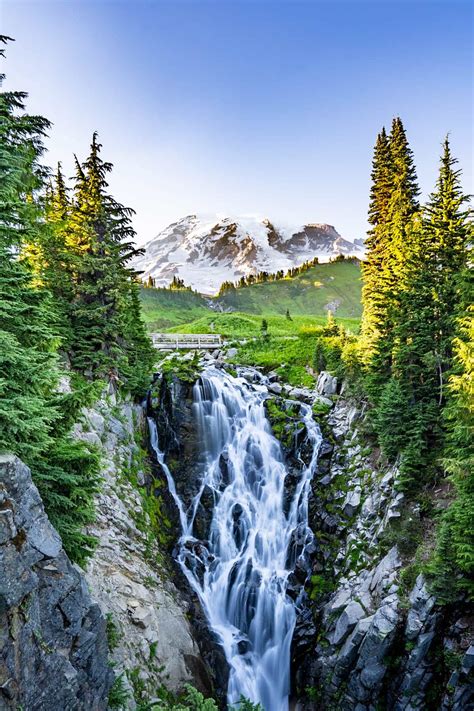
(185, 370)
(283, 421)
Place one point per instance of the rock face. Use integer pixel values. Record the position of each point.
(377, 641)
(129, 574)
(53, 644)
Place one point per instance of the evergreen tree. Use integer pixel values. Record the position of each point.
(27, 364)
(428, 306)
(380, 193)
(65, 471)
(453, 562)
(108, 333)
(393, 213)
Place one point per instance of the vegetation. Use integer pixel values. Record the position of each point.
(66, 294)
(310, 292)
(414, 358)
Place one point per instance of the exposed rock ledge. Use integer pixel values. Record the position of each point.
(53, 646)
(153, 636)
(378, 641)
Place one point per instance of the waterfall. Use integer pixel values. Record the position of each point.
(256, 535)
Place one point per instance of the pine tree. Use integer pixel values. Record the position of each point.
(393, 212)
(105, 299)
(27, 364)
(380, 193)
(64, 471)
(453, 562)
(429, 303)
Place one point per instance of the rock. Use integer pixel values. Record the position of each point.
(351, 502)
(301, 394)
(52, 635)
(325, 450)
(340, 601)
(141, 599)
(326, 384)
(468, 660)
(232, 352)
(387, 565)
(321, 400)
(95, 420)
(141, 616)
(347, 621)
(275, 388)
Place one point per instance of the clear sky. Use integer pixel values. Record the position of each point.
(261, 107)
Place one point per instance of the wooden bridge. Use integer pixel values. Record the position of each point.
(177, 341)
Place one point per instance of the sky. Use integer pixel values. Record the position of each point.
(262, 107)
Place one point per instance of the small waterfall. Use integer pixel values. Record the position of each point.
(241, 572)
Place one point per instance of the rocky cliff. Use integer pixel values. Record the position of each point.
(152, 643)
(53, 644)
(377, 638)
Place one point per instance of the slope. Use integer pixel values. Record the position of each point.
(335, 285)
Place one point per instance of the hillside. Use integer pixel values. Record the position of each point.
(206, 250)
(335, 285)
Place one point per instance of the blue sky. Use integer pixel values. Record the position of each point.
(261, 107)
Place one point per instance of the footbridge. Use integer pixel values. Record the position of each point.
(186, 341)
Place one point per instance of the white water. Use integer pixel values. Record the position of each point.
(241, 573)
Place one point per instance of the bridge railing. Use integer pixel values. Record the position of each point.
(167, 341)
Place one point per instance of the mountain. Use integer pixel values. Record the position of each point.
(206, 250)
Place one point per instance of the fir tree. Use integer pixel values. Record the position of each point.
(453, 562)
(372, 296)
(429, 304)
(393, 213)
(64, 471)
(105, 300)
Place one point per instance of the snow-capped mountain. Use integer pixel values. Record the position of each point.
(205, 250)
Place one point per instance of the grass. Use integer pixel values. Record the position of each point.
(335, 283)
(290, 357)
(162, 309)
(307, 293)
(290, 344)
(239, 325)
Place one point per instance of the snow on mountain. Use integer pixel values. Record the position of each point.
(205, 250)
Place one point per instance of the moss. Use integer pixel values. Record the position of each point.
(283, 420)
(187, 371)
(319, 585)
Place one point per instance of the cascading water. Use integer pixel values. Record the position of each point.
(256, 535)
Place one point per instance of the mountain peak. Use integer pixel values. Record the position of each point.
(207, 249)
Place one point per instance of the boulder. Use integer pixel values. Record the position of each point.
(326, 384)
(352, 502)
(347, 621)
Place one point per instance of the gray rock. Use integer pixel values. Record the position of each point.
(53, 645)
(326, 384)
(390, 563)
(352, 502)
(275, 388)
(95, 420)
(301, 394)
(232, 352)
(347, 621)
